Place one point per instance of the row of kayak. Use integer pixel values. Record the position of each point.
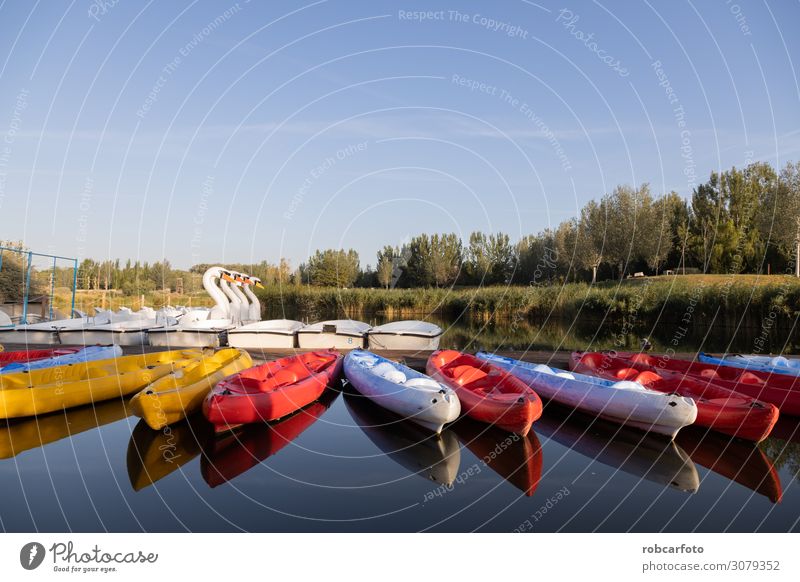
(438, 459)
(651, 393)
(154, 455)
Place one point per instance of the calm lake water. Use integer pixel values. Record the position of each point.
(345, 465)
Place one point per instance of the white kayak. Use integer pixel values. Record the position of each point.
(90, 354)
(623, 402)
(404, 391)
(769, 364)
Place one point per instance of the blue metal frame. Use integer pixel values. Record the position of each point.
(28, 270)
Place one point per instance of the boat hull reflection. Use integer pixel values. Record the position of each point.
(19, 435)
(239, 450)
(643, 455)
(739, 461)
(516, 459)
(154, 454)
(434, 457)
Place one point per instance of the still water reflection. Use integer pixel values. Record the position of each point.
(343, 464)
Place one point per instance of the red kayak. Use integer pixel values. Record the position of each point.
(486, 392)
(272, 390)
(782, 390)
(718, 407)
(24, 356)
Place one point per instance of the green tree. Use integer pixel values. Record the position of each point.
(780, 217)
(591, 236)
(490, 259)
(446, 258)
(333, 268)
(387, 264)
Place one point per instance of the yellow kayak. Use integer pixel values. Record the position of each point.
(175, 396)
(61, 387)
(21, 435)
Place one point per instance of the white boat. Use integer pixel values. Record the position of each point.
(7, 328)
(406, 392)
(47, 332)
(126, 328)
(410, 334)
(340, 334)
(203, 327)
(264, 335)
(270, 334)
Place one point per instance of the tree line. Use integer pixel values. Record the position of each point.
(738, 221)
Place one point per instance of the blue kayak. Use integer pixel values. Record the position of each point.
(89, 354)
(769, 364)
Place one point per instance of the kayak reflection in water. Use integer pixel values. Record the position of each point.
(241, 449)
(434, 457)
(516, 459)
(739, 461)
(24, 434)
(637, 453)
(154, 454)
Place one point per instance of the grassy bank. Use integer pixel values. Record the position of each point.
(671, 299)
(668, 298)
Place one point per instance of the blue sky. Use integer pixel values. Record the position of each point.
(215, 131)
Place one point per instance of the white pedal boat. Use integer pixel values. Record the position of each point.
(340, 334)
(410, 334)
(208, 333)
(270, 334)
(47, 332)
(406, 392)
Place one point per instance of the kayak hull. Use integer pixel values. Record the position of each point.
(54, 389)
(641, 408)
(261, 394)
(718, 407)
(399, 389)
(487, 393)
(24, 356)
(176, 396)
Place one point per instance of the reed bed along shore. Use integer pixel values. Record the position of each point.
(669, 299)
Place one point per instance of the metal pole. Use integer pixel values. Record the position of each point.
(74, 285)
(52, 288)
(27, 289)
